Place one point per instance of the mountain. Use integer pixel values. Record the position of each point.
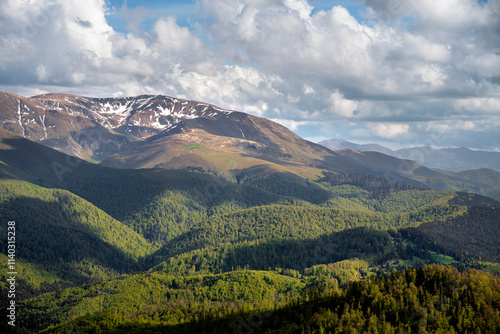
(225, 142)
(157, 131)
(64, 122)
(339, 144)
(26, 160)
(450, 159)
(164, 132)
(95, 127)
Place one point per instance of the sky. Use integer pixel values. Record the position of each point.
(400, 73)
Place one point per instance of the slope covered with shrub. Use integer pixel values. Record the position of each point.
(430, 299)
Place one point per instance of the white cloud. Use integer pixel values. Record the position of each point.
(308, 90)
(174, 39)
(341, 106)
(291, 124)
(398, 72)
(302, 7)
(431, 74)
(388, 130)
(479, 105)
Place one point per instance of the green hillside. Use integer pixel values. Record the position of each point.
(170, 299)
(190, 251)
(161, 204)
(297, 254)
(433, 299)
(471, 236)
(275, 222)
(66, 234)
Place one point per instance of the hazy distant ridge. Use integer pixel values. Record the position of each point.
(452, 159)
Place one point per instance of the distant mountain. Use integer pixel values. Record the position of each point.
(451, 159)
(339, 144)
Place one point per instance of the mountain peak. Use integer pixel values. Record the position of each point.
(98, 128)
(60, 120)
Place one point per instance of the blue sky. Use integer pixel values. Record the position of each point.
(396, 72)
(185, 11)
(182, 10)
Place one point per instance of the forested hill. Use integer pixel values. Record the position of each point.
(433, 299)
(179, 250)
(66, 235)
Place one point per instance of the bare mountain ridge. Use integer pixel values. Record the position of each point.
(128, 114)
(149, 131)
(96, 127)
(339, 144)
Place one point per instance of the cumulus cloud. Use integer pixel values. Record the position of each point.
(402, 72)
(342, 106)
(388, 130)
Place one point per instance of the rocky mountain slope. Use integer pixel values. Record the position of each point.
(150, 131)
(96, 127)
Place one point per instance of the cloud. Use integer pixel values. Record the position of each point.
(478, 105)
(388, 130)
(403, 71)
(65, 39)
(431, 74)
(291, 124)
(341, 106)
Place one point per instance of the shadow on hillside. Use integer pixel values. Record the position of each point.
(119, 192)
(43, 163)
(284, 184)
(298, 254)
(52, 236)
(122, 193)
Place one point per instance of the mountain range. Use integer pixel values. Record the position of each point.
(451, 159)
(155, 214)
(155, 131)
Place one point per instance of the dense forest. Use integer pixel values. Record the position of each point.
(473, 235)
(184, 251)
(430, 299)
(67, 235)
